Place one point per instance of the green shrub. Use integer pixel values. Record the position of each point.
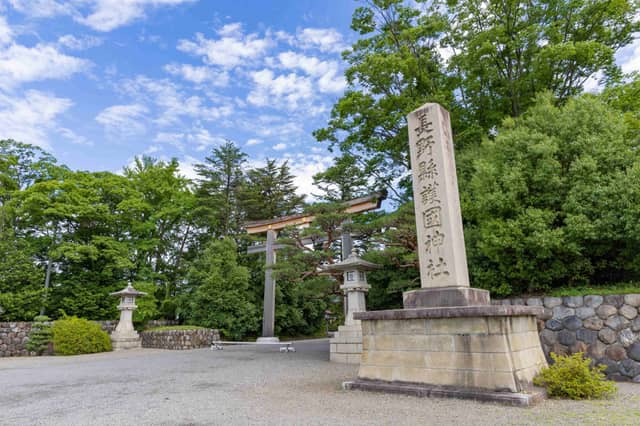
(40, 335)
(73, 336)
(572, 377)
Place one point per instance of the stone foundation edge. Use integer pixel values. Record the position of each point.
(430, 391)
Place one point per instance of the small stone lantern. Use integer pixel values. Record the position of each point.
(346, 345)
(125, 336)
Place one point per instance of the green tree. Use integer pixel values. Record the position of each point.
(393, 68)
(216, 292)
(343, 181)
(554, 200)
(507, 51)
(220, 180)
(269, 192)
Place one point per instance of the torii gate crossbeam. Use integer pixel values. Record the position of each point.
(271, 227)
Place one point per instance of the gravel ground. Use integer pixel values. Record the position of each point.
(249, 385)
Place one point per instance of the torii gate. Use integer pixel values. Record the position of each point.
(271, 227)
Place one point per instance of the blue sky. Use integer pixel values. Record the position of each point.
(97, 82)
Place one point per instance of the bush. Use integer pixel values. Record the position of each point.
(73, 336)
(40, 335)
(572, 377)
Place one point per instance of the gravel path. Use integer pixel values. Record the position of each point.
(249, 385)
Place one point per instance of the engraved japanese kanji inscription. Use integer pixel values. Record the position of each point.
(443, 261)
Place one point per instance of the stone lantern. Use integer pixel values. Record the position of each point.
(346, 345)
(125, 336)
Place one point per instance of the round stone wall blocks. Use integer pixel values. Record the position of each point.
(629, 312)
(572, 323)
(617, 322)
(552, 302)
(632, 299)
(548, 337)
(566, 337)
(596, 350)
(634, 352)
(635, 325)
(573, 301)
(560, 312)
(607, 335)
(616, 352)
(605, 311)
(593, 323)
(614, 299)
(627, 337)
(554, 325)
(585, 312)
(630, 368)
(578, 347)
(593, 301)
(587, 336)
(612, 366)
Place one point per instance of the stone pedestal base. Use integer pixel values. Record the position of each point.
(129, 341)
(268, 340)
(346, 344)
(465, 350)
(444, 297)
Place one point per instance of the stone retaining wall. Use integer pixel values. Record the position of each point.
(179, 339)
(606, 328)
(13, 337)
(110, 325)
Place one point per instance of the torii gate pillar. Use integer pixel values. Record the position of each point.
(269, 309)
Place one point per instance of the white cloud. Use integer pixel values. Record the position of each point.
(6, 33)
(101, 15)
(187, 167)
(73, 136)
(172, 104)
(43, 8)
(327, 72)
(20, 64)
(230, 49)
(303, 167)
(30, 117)
(254, 141)
(323, 39)
(108, 15)
(79, 43)
(629, 57)
(125, 120)
(198, 75)
(280, 146)
(283, 91)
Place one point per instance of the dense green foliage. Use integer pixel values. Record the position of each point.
(217, 295)
(75, 336)
(573, 377)
(40, 335)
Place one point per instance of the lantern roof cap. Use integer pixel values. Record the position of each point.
(353, 262)
(129, 291)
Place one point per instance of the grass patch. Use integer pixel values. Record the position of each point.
(622, 288)
(175, 327)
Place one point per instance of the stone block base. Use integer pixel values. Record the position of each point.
(488, 348)
(121, 343)
(421, 390)
(346, 345)
(444, 297)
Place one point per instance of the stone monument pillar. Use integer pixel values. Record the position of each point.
(125, 336)
(346, 345)
(448, 341)
(443, 262)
